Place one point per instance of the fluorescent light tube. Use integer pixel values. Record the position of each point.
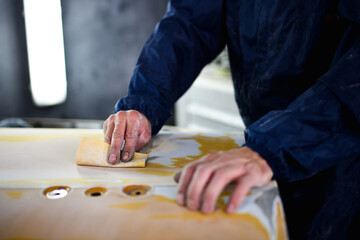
(45, 46)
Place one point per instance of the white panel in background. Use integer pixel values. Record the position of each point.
(45, 46)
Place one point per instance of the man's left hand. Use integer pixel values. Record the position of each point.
(202, 182)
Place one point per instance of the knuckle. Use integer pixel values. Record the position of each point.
(202, 170)
(132, 133)
(118, 134)
(107, 138)
(120, 115)
(113, 121)
(249, 166)
(133, 114)
(111, 118)
(221, 175)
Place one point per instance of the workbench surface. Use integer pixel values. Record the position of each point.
(45, 195)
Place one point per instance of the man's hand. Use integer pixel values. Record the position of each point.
(202, 182)
(131, 126)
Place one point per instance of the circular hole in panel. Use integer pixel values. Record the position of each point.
(95, 192)
(56, 192)
(136, 190)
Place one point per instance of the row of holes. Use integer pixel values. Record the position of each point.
(57, 192)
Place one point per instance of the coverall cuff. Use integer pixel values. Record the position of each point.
(265, 148)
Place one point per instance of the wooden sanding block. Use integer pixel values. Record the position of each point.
(95, 153)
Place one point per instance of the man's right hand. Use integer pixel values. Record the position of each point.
(131, 126)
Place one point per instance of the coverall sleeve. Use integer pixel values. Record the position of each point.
(188, 37)
(321, 128)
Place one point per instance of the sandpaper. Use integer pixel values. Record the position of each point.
(94, 152)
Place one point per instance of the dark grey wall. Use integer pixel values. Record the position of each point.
(102, 42)
(14, 77)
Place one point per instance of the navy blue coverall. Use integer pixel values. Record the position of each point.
(295, 65)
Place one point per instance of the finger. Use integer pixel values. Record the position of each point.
(104, 129)
(117, 137)
(131, 137)
(109, 125)
(243, 186)
(200, 179)
(220, 179)
(187, 174)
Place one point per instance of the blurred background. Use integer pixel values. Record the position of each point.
(99, 42)
(102, 41)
